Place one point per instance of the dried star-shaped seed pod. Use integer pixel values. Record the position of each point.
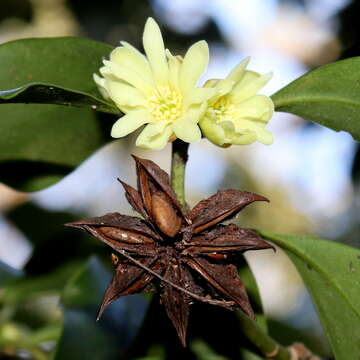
(192, 255)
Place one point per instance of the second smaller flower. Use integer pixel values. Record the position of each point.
(236, 114)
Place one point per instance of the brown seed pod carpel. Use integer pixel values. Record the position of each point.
(199, 263)
(125, 235)
(164, 214)
(144, 187)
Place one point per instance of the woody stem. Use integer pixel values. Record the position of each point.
(178, 163)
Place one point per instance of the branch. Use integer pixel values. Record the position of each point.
(261, 340)
(270, 349)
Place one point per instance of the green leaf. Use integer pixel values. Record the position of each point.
(40, 144)
(53, 71)
(331, 272)
(328, 95)
(286, 333)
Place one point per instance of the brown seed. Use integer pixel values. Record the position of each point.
(165, 215)
(124, 235)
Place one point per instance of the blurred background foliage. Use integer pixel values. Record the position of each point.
(52, 278)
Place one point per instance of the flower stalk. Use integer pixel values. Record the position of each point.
(178, 163)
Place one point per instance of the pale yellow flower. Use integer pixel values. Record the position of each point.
(158, 89)
(236, 114)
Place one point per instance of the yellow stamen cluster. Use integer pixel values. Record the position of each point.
(223, 108)
(165, 104)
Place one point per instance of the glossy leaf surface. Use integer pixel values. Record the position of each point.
(53, 71)
(331, 272)
(41, 143)
(328, 95)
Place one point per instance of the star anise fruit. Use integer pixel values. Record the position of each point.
(191, 255)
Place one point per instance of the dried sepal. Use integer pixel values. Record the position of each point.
(222, 206)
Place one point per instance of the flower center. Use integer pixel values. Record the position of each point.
(165, 104)
(223, 109)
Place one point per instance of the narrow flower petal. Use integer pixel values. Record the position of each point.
(186, 127)
(245, 138)
(155, 136)
(249, 85)
(194, 64)
(155, 51)
(214, 132)
(211, 83)
(187, 131)
(174, 69)
(125, 44)
(107, 73)
(199, 95)
(101, 86)
(239, 71)
(125, 95)
(130, 77)
(258, 107)
(262, 135)
(132, 60)
(222, 87)
(265, 137)
(130, 122)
